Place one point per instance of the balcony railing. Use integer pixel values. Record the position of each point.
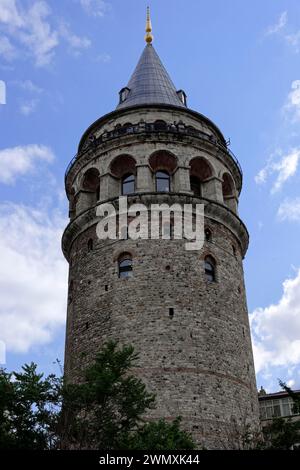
(149, 128)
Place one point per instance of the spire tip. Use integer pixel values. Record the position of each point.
(148, 36)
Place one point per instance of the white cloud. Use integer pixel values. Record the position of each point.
(293, 40)
(28, 107)
(29, 86)
(38, 34)
(280, 28)
(95, 7)
(30, 28)
(76, 43)
(105, 58)
(292, 106)
(18, 161)
(281, 23)
(7, 50)
(9, 13)
(284, 168)
(276, 329)
(33, 31)
(289, 210)
(33, 276)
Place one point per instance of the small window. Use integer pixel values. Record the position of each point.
(195, 185)
(234, 250)
(210, 269)
(128, 183)
(90, 244)
(162, 181)
(125, 265)
(208, 235)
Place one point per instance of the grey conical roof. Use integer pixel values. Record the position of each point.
(150, 83)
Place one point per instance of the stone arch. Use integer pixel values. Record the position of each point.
(201, 172)
(89, 192)
(90, 180)
(229, 192)
(201, 168)
(163, 160)
(228, 185)
(122, 165)
(119, 252)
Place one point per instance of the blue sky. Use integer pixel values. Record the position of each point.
(63, 64)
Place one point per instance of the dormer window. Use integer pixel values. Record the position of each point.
(123, 94)
(182, 96)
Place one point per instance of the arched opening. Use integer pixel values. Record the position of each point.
(91, 180)
(210, 268)
(128, 184)
(229, 193)
(227, 186)
(195, 185)
(90, 188)
(163, 164)
(163, 160)
(162, 181)
(125, 265)
(122, 167)
(200, 171)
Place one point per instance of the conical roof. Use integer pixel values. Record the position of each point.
(150, 83)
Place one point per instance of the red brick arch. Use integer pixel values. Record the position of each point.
(163, 160)
(227, 185)
(122, 165)
(201, 168)
(90, 180)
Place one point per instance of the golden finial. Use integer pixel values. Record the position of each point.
(149, 36)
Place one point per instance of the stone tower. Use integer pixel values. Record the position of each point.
(184, 311)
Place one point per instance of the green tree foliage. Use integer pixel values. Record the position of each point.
(105, 411)
(158, 435)
(29, 409)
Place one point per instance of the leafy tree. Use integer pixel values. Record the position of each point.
(29, 409)
(106, 410)
(159, 435)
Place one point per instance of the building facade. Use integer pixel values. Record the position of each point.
(277, 405)
(184, 311)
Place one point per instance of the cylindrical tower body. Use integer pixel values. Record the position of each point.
(184, 311)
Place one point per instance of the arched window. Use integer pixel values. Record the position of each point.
(128, 184)
(91, 184)
(208, 235)
(162, 179)
(195, 185)
(90, 244)
(125, 265)
(227, 186)
(210, 268)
